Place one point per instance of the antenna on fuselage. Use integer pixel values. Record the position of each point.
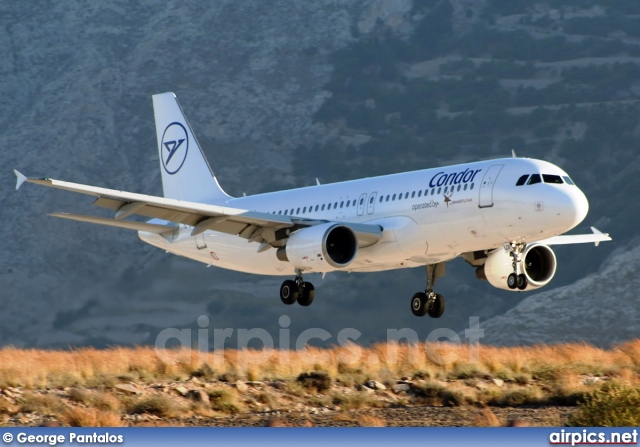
(317, 181)
(513, 153)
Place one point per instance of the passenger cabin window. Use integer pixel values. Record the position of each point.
(328, 206)
(522, 180)
(317, 206)
(381, 197)
(304, 210)
(568, 180)
(323, 207)
(393, 197)
(387, 198)
(420, 193)
(298, 211)
(341, 204)
(371, 200)
(548, 178)
(535, 178)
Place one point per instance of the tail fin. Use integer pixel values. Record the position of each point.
(186, 174)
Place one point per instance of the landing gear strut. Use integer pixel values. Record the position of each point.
(429, 302)
(516, 279)
(297, 290)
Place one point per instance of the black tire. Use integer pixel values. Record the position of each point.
(289, 292)
(512, 281)
(437, 308)
(307, 294)
(419, 304)
(523, 282)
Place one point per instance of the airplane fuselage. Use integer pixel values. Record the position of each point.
(427, 216)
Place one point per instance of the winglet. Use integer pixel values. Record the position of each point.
(20, 178)
(596, 231)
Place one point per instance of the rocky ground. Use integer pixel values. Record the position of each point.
(198, 402)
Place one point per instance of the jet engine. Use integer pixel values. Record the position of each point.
(320, 248)
(537, 263)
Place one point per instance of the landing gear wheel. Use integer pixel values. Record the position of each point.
(289, 292)
(306, 295)
(419, 304)
(436, 309)
(522, 282)
(512, 281)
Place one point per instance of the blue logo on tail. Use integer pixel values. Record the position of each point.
(174, 147)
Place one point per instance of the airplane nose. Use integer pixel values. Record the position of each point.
(580, 205)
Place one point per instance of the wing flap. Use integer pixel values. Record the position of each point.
(137, 226)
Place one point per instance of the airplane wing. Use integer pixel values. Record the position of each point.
(254, 226)
(596, 238)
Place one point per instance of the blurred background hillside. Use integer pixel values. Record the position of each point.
(280, 93)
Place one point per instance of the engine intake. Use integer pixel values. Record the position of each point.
(537, 262)
(320, 248)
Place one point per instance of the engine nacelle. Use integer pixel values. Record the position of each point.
(320, 248)
(537, 262)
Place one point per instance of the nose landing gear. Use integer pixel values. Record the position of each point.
(516, 279)
(297, 290)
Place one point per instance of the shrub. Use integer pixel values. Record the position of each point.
(613, 405)
(156, 404)
(315, 380)
(519, 397)
(223, 400)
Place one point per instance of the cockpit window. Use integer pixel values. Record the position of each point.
(535, 178)
(548, 178)
(522, 180)
(568, 180)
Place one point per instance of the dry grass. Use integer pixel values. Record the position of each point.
(89, 417)
(367, 420)
(486, 418)
(37, 369)
(444, 374)
(155, 404)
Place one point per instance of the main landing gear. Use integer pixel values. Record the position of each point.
(516, 280)
(297, 290)
(429, 302)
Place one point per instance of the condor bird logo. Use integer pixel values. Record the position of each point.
(447, 198)
(174, 147)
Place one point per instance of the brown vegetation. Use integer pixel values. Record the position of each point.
(139, 386)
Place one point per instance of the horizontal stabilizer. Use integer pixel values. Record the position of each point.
(20, 178)
(136, 226)
(596, 238)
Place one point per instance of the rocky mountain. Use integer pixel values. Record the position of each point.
(280, 93)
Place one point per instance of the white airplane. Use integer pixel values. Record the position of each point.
(499, 215)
